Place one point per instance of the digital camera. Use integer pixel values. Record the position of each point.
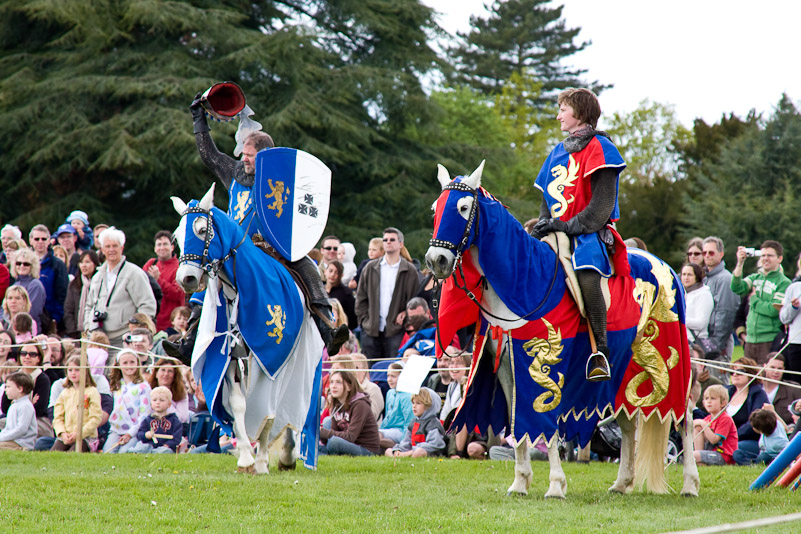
(100, 316)
(753, 252)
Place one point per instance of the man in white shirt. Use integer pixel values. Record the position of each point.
(386, 285)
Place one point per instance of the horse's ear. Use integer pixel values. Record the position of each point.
(179, 205)
(442, 175)
(207, 202)
(474, 180)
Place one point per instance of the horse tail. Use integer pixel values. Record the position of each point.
(649, 461)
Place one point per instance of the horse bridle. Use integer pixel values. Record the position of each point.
(457, 264)
(212, 267)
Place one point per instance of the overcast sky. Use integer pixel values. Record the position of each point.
(706, 57)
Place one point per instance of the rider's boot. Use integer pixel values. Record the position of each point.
(597, 368)
(183, 349)
(333, 338)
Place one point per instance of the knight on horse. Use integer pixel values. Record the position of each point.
(579, 183)
(224, 101)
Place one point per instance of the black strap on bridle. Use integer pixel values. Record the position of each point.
(211, 267)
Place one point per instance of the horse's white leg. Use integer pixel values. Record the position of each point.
(286, 459)
(523, 472)
(625, 472)
(262, 466)
(692, 482)
(558, 482)
(236, 399)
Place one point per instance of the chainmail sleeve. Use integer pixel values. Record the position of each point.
(222, 165)
(545, 213)
(604, 190)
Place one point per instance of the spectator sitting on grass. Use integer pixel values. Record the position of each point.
(21, 426)
(161, 431)
(772, 439)
(715, 436)
(424, 436)
(399, 412)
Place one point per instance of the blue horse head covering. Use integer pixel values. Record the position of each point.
(268, 309)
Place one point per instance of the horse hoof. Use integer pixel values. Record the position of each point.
(511, 493)
(290, 467)
(249, 470)
(689, 494)
(556, 497)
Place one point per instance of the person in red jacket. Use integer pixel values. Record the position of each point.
(162, 268)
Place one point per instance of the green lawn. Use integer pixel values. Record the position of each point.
(47, 492)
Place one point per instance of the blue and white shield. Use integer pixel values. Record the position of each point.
(292, 199)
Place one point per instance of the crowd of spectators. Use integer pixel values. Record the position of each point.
(56, 286)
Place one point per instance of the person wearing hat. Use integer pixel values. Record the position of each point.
(66, 235)
(79, 220)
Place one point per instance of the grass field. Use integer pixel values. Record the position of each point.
(49, 492)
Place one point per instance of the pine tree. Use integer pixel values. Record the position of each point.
(528, 37)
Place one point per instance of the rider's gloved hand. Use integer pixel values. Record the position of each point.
(198, 115)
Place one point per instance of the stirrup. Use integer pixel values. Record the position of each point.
(597, 368)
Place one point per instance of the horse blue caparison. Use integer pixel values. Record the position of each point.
(520, 295)
(249, 296)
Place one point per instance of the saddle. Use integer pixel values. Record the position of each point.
(560, 243)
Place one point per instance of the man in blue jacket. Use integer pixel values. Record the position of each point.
(52, 273)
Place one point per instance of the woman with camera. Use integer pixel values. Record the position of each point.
(119, 289)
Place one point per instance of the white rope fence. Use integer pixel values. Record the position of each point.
(734, 527)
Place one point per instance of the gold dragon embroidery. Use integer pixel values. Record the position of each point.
(546, 354)
(657, 306)
(562, 179)
(242, 205)
(277, 194)
(277, 321)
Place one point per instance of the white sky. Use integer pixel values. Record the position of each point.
(706, 57)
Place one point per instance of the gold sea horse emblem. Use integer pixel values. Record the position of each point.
(277, 194)
(277, 321)
(562, 179)
(657, 307)
(546, 354)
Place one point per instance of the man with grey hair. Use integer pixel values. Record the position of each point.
(721, 322)
(386, 285)
(119, 289)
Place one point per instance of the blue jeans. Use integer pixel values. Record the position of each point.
(747, 452)
(113, 439)
(342, 447)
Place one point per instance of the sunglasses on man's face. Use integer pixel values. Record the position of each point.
(23, 264)
(39, 239)
(389, 240)
(330, 248)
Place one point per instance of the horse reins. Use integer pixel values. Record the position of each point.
(212, 267)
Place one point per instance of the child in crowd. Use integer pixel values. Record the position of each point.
(65, 416)
(425, 436)
(772, 439)
(23, 326)
(458, 365)
(398, 407)
(715, 435)
(131, 403)
(21, 426)
(96, 351)
(363, 376)
(161, 431)
(80, 221)
(179, 318)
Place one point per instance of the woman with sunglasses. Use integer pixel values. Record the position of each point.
(31, 356)
(25, 271)
(695, 252)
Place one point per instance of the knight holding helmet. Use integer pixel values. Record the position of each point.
(224, 101)
(579, 183)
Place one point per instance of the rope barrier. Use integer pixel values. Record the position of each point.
(733, 527)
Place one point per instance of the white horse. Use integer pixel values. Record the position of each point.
(268, 385)
(473, 234)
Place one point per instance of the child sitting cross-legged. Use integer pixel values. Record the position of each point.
(21, 426)
(160, 432)
(715, 436)
(398, 408)
(425, 436)
(772, 438)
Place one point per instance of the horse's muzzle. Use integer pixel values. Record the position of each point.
(440, 261)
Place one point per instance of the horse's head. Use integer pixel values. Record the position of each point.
(455, 220)
(195, 237)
